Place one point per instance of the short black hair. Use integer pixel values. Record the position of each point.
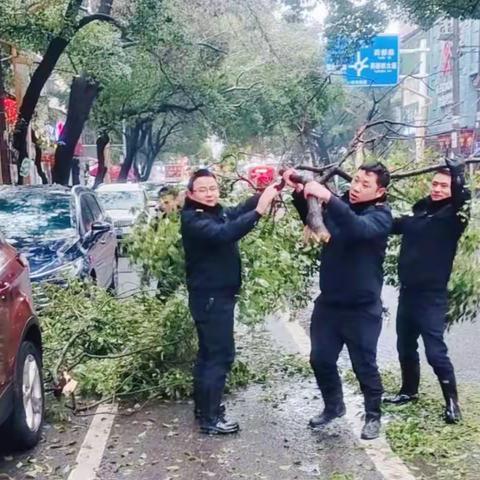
(201, 172)
(383, 175)
(444, 171)
(167, 190)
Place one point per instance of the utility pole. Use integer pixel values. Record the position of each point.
(422, 118)
(455, 144)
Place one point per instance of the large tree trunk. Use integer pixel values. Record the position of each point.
(79, 111)
(38, 159)
(75, 171)
(322, 150)
(154, 144)
(30, 100)
(145, 175)
(82, 95)
(136, 138)
(102, 142)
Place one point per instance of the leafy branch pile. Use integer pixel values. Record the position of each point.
(113, 347)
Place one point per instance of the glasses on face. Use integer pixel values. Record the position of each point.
(211, 189)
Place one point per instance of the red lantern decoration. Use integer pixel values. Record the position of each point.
(10, 110)
(262, 176)
(48, 159)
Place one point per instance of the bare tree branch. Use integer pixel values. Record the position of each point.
(433, 168)
(212, 47)
(241, 89)
(101, 17)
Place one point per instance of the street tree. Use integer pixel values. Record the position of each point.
(228, 68)
(356, 21)
(49, 24)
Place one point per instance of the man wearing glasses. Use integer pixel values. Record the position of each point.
(210, 234)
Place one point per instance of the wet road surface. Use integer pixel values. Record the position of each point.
(162, 442)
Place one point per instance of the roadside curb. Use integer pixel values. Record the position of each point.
(292, 337)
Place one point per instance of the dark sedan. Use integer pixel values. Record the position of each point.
(62, 232)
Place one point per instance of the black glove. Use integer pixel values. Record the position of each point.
(456, 166)
(457, 172)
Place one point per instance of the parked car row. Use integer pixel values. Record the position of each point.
(61, 232)
(49, 233)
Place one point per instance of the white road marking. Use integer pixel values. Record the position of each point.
(91, 452)
(293, 338)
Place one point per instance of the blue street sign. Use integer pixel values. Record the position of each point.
(375, 65)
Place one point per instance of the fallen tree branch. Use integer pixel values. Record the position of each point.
(65, 350)
(319, 170)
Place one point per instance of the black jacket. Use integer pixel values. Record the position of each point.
(351, 263)
(430, 238)
(209, 236)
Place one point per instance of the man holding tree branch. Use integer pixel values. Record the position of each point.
(429, 243)
(210, 236)
(348, 310)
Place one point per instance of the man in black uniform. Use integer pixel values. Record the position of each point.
(349, 309)
(210, 234)
(429, 244)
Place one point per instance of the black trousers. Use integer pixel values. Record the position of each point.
(213, 317)
(358, 328)
(422, 313)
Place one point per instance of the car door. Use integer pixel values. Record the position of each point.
(4, 315)
(13, 311)
(100, 246)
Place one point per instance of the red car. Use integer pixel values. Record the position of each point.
(21, 382)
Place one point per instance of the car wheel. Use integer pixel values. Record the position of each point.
(24, 426)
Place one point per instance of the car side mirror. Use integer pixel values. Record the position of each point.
(100, 227)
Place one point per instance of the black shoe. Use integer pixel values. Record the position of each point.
(198, 413)
(371, 429)
(319, 421)
(452, 413)
(401, 399)
(220, 427)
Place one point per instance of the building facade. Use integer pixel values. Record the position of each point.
(441, 97)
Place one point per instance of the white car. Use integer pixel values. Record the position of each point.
(124, 203)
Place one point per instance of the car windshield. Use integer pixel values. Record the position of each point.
(121, 200)
(35, 213)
